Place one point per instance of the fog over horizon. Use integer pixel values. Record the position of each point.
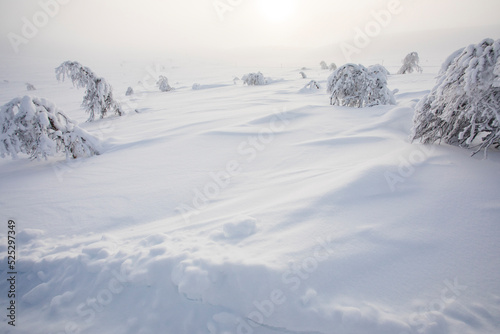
(272, 32)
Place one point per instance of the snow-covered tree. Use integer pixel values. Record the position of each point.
(35, 126)
(449, 61)
(162, 83)
(304, 76)
(254, 79)
(356, 86)
(332, 67)
(464, 107)
(129, 92)
(323, 65)
(98, 97)
(30, 87)
(410, 64)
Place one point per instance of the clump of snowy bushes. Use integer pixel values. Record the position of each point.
(464, 107)
(324, 66)
(36, 127)
(410, 64)
(254, 79)
(98, 99)
(356, 86)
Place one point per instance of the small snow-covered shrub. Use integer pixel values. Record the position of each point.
(356, 86)
(30, 87)
(332, 67)
(98, 97)
(36, 127)
(464, 107)
(162, 83)
(323, 65)
(377, 68)
(130, 91)
(196, 86)
(254, 79)
(311, 86)
(410, 64)
(304, 76)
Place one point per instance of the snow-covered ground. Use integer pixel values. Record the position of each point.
(236, 209)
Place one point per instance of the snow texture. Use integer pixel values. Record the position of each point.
(250, 211)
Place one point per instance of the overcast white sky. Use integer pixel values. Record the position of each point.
(117, 27)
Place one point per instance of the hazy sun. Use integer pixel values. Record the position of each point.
(277, 10)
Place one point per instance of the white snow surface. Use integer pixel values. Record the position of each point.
(249, 209)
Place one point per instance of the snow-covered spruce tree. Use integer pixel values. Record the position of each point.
(30, 87)
(304, 76)
(129, 92)
(254, 79)
(162, 83)
(323, 65)
(332, 67)
(464, 107)
(98, 97)
(410, 64)
(356, 86)
(36, 127)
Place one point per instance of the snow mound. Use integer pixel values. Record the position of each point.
(243, 227)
